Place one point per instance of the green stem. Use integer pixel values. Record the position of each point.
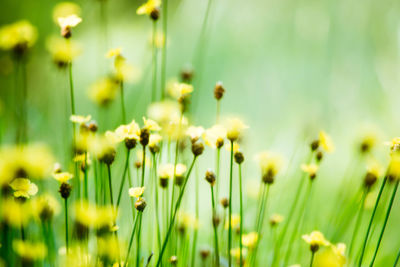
(230, 209)
(241, 216)
(140, 219)
(123, 111)
(86, 178)
(156, 202)
(164, 48)
(121, 186)
(217, 169)
(178, 203)
(312, 259)
(174, 177)
(110, 184)
(131, 239)
(194, 245)
(154, 63)
(215, 227)
(396, 261)
(371, 220)
(260, 220)
(66, 223)
(358, 221)
(385, 222)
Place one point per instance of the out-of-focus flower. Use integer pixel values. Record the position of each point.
(179, 91)
(79, 119)
(63, 51)
(128, 131)
(110, 248)
(315, 239)
(235, 252)
(214, 136)
(159, 40)
(65, 9)
(18, 36)
(67, 23)
(250, 240)
(195, 132)
(394, 167)
(30, 251)
(15, 212)
(310, 169)
(148, 7)
(103, 91)
(275, 219)
(103, 148)
(151, 125)
(234, 128)
(45, 207)
(331, 256)
(187, 221)
(154, 142)
(326, 142)
(166, 171)
(136, 192)
(235, 220)
(394, 144)
(123, 71)
(270, 165)
(164, 112)
(63, 177)
(23, 188)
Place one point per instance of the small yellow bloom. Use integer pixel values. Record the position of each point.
(65, 9)
(148, 7)
(30, 251)
(180, 169)
(315, 239)
(195, 132)
(114, 52)
(236, 147)
(235, 220)
(23, 188)
(331, 256)
(63, 177)
(166, 171)
(374, 167)
(311, 169)
(235, 252)
(214, 136)
(187, 220)
(250, 240)
(154, 140)
(151, 125)
(79, 119)
(164, 112)
(103, 91)
(15, 213)
(63, 51)
(128, 131)
(136, 192)
(18, 36)
(275, 219)
(326, 142)
(45, 206)
(70, 21)
(234, 128)
(270, 164)
(179, 90)
(394, 166)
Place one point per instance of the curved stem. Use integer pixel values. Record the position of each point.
(371, 220)
(230, 209)
(385, 222)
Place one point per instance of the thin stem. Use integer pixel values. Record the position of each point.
(217, 169)
(123, 111)
(218, 111)
(71, 89)
(312, 259)
(178, 203)
(358, 221)
(260, 219)
(215, 227)
(174, 176)
(110, 184)
(371, 220)
(66, 222)
(154, 63)
(385, 222)
(156, 202)
(86, 178)
(396, 261)
(121, 186)
(230, 209)
(164, 47)
(131, 239)
(241, 215)
(194, 245)
(140, 219)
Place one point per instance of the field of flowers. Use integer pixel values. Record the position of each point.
(199, 133)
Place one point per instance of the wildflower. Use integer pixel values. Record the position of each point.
(210, 177)
(29, 251)
(179, 91)
(18, 36)
(185, 221)
(197, 148)
(63, 177)
(219, 91)
(79, 119)
(15, 213)
(109, 248)
(270, 165)
(331, 256)
(45, 207)
(235, 252)
(165, 172)
(23, 188)
(65, 9)
(236, 147)
(129, 133)
(103, 91)
(122, 70)
(140, 204)
(154, 142)
(368, 141)
(151, 125)
(250, 240)
(214, 136)
(150, 8)
(394, 144)
(173, 260)
(235, 221)
(310, 169)
(204, 253)
(394, 167)
(194, 132)
(65, 190)
(164, 112)
(67, 23)
(136, 192)
(275, 219)
(234, 128)
(63, 51)
(224, 203)
(325, 142)
(187, 74)
(315, 239)
(374, 171)
(180, 170)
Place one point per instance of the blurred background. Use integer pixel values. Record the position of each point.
(290, 68)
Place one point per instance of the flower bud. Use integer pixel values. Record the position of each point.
(210, 177)
(140, 204)
(65, 190)
(144, 136)
(224, 202)
(155, 14)
(239, 157)
(197, 148)
(219, 91)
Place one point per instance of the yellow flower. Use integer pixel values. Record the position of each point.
(394, 166)
(63, 177)
(394, 144)
(374, 167)
(109, 247)
(159, 40)
(179, 90)
(45, 206)
(275, 219)
(154, 140)
(128, 131)
(80, 119)
(114, 52)
(194, 132)
(65, 9)
(70, 21)
(15, 213)
(176, 129)
(234, 128)
(187, 220)
(311, 169)
(136, 192)
(122, 70)
(180, 170)
(102, 147)
(29, 250)
(164, 112)
(214, 136)
(18, 36)
(86, 213)
(315, 239)
(166, 171)
(148, 7)
(103, 91)
(23, 188)
(151, 125)
(270, 164)
(63, 51)
(236, 147)
(250, 240)
(235, 252)
(332, 256)
(235, 220)
(326, 142)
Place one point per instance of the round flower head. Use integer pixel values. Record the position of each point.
(275, 219)
(333, 255)
(30, 251)
(154, 142)
(166, 171)
(66, 23)
(151, 125)
(45, 207)
(103, 91)
(394, 144)
(63, 177)
(234, 128)
(214, 136)
(23, 188)
(128, 131)
(136, 192)
(311, 169)
(325, 142)
(63, 51)
(394, 167)
(15, 213)
(18, 36)
(250, 240)
(148, 7)
(270, 165)
(235, 220)
(164, 112)
(179, 91)
(65, 9)
(315, 239)
(194, 132)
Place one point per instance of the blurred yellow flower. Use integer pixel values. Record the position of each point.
(136, 192)
(235, 220)
(166, 171)
(151, 125)
(128, 131)
(114, 52)
(148, 7)
(180, 169)
(65, 9)
(179, 90)
(214, 136)
(394, 166)
(250, 240)
(45, 206)
(315, 239)
(164, 112)
(154, 140)
(326, 142)
(69, 21)
(63, 51)
(275, 219)
(394, 144)
(29, 250)
(79, 119)
(331, 256)
(235, 252)
(270, 164)
(103, 91)
(234, 128)
(63, 177)
(15, 213)
(18, 36)
(23, 188)
(195, 132)
(311, 169)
